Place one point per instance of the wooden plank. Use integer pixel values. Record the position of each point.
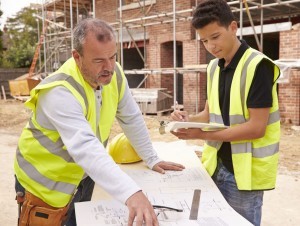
(22, 87)
(3, 93)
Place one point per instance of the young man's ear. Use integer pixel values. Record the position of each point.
(233, 26)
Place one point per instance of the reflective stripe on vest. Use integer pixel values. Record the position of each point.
(119, 83)
(71, 81)
(213, 117)
(54, 147)
(32, 172)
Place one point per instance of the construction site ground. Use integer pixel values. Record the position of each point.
(281, 206)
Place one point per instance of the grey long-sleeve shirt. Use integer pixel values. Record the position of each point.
(58, 109)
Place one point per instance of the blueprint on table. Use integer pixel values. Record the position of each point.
(172, 189)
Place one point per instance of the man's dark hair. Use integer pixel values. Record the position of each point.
(102, 30)
(209, 11)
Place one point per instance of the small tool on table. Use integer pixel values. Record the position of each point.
(195, 205)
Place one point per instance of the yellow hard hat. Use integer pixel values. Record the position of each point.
(121, 150)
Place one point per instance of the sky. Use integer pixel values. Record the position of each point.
(11, 7)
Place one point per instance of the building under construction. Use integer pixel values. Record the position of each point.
(159, 49)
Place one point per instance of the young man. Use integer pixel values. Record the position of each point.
(61, 152)
(241, 94)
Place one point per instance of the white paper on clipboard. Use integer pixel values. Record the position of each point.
(171, 126)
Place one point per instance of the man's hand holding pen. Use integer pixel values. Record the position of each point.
(181, 116)
(178, 115)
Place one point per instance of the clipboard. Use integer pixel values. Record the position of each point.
(166, 127)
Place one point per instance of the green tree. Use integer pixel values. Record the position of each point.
(22, 31)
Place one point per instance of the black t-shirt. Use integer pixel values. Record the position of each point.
(260, 93)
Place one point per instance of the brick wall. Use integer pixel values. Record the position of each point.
(289, 93)
(166, 54)
(194, 83)
(160, 47)
(106, 10)
(153, 61)
(289, 99)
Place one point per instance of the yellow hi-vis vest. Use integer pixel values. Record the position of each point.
(254, 161)
(43, 165)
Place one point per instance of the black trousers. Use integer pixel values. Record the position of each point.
(84, 193)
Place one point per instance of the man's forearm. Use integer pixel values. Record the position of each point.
(201, 117)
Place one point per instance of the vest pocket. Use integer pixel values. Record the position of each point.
(46, 217)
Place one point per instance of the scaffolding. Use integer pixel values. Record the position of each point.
(62, 15)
